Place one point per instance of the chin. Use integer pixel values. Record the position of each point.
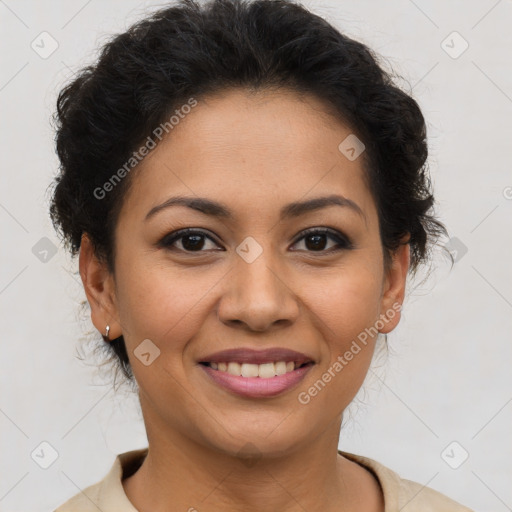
(256, 443)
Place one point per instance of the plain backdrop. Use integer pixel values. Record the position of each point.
(437, 410)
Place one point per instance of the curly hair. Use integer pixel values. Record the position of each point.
(191, 50)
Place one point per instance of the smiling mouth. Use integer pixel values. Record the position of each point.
(263, 371)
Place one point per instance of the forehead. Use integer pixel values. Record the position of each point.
(243, 148)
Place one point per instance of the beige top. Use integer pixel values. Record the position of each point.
(401, 495)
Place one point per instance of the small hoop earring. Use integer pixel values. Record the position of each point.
(107, 329)
(385, 337)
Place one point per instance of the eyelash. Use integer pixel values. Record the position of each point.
(343, 241)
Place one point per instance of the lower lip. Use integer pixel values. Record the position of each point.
(256, 387)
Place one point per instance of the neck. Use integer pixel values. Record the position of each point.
(180, 474)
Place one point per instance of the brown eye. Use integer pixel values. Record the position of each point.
(189, 239)
(316, 240)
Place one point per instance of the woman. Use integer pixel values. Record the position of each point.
(246, 190)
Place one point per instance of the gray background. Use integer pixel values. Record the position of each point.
(447, 377)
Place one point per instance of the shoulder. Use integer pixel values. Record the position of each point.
(416, 497)
(405, 495)
(108, 494)
(85, 501)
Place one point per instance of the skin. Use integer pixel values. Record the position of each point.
(255, 153)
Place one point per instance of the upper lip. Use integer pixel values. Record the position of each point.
(248, 355)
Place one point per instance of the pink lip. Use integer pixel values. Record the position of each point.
(247, 355)
(256, 387)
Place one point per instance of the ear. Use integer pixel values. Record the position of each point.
(99, 287)
(393, 290)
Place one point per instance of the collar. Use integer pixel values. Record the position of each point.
(112, 496)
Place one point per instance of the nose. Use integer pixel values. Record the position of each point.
(257, 297)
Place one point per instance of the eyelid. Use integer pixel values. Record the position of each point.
(332, 232)
(172, 237)
(343, 241)
(335, 233)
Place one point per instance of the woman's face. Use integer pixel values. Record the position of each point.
(249, 278)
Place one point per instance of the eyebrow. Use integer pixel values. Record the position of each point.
(292, 210)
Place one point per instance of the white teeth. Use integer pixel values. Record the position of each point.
(280, 368)
(249, 370)
(264, 371)
(234, 368)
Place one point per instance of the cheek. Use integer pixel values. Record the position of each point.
(351, 301)
(345, 307)
(347, 310)
(353, 308)
(157, 304)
